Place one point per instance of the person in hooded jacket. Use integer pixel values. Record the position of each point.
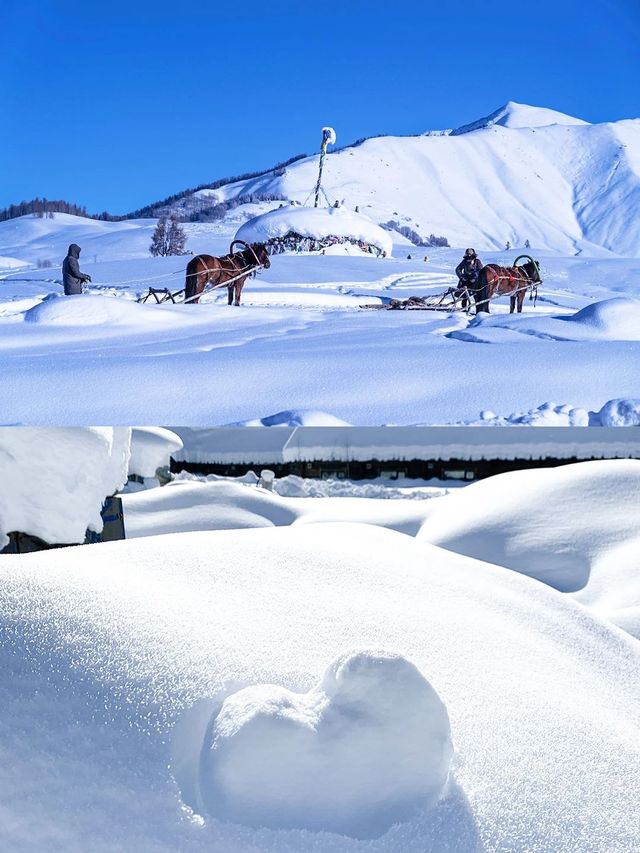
(469, 268)
(72, 278)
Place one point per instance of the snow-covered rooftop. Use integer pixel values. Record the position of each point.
(315, 222)
(53, 481)
(284, 444)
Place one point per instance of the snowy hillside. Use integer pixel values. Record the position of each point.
(521, 173)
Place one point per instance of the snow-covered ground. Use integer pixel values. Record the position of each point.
(301, 342)
(458, 673)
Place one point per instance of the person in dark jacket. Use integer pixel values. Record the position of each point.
(72, 278)
(469, 268)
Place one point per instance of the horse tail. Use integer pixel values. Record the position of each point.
(191, 279)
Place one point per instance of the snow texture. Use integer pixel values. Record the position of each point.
(53, 482)
(553, 525)
(115, 657)
(368, 747)
(152, 448)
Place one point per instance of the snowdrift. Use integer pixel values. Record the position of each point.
(99, 700)
(293, 418)
(614, 319)
(574, 528)
(93, 310)
(53, 481)
(317, 223)
(221, 504)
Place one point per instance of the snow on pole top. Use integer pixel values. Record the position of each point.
(329, 135)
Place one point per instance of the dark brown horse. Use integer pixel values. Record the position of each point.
(512, 281)
(206, 270)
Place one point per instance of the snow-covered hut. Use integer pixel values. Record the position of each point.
(56, 483)
(331, 230)
(151, 451)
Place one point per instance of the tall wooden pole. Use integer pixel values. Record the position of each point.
(328, 136)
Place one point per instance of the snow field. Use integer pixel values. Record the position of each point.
(301, 342)
(169, 627)
(574, 528)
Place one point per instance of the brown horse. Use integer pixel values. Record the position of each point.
(514, 281)
(205, 269)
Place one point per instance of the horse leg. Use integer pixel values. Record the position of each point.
(230, 292)
(521, 296)
(512, 304)
(238, 286)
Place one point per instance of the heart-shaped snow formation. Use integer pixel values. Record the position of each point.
(366, 748)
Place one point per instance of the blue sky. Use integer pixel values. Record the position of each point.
(116, 104)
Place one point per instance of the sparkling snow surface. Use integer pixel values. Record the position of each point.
(115, 657)
(167, 693)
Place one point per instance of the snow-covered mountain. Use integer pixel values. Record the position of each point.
(521, 173)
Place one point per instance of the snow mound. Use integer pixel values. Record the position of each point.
(618, 413)
(151, 448)
(104, 650)
(614, 413)
(317, 223)
(534, 521)
(294, 418)
(53, 481)
(615, 319)
(546, 415)
(293, 486)
(366, 748)
(92, 310)
(11, 263)
(516, 115)
(194, 505)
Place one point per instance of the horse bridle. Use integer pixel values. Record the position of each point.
(248, 246)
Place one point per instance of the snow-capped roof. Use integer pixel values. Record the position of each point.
(516, 115)
(54, 480)
(151, 448)
(282, 444)
(316, 222)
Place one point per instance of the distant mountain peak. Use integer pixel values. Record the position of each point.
(516, 115)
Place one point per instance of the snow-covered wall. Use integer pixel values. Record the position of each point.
(53, 481)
